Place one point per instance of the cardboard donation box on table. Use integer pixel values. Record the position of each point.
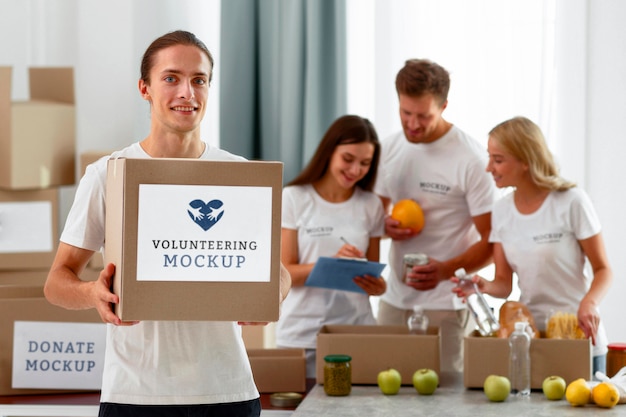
(278, 370)
(37, 136)
(28, 228)
(46, 349)
(194, 239)
(569, 359)
(376, 348)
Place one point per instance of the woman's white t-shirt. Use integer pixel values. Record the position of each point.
(542, 249)
(321, 225)
(160, 362)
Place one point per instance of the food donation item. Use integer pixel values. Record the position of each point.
(563, 326)
(409, 213)
(512, 312)
(337, 375)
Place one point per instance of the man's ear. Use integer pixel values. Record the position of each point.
(143, 89)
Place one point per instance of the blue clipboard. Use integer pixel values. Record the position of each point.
(338, 273)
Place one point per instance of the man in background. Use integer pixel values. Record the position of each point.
(442, 168)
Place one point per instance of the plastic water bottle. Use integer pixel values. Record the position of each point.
(519, 363)
(481, 311)
(418, 322)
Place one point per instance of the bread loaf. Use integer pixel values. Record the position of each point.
(512, 312)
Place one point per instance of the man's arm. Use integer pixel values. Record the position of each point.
(477, 256)
(64, 288)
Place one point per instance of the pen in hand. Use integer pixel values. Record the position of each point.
(356, 253)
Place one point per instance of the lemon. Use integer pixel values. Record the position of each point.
(605, 394)
(578, 393)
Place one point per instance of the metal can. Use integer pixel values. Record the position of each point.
(409, 261)
(615, 358)
(337, 375)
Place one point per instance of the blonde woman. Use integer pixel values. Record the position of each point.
(544, 231)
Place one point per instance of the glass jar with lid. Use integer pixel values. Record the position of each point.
(615, 358)
(337, 375)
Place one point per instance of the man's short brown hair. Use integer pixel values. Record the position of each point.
(421, 76)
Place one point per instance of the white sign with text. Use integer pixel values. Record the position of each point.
(204, 233)
(58, 355)
(26, 227)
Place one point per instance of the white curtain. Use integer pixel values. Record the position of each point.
(505, 57)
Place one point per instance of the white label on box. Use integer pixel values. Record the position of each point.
(26, 227)
(204, 233)
(58, 355)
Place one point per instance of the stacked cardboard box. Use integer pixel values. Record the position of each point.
(37, 156)
(37, 136)
(37, 358)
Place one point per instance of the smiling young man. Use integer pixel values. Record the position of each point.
(157, 368)
(438, 165)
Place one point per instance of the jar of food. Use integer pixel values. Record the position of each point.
(615, 358)
(409, 261)
(337, 375)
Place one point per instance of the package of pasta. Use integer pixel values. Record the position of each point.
(563, 325)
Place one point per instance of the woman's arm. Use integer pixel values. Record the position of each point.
(372, 285)
(502, 283)
(588, 316)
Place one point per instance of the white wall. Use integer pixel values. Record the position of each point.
(104, 40)
(559, 62)
(606, 146)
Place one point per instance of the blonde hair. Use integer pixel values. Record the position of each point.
(524, 140)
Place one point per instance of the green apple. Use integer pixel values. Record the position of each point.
(554, 387)
(497, 388)
(389, 381)
(425, 381)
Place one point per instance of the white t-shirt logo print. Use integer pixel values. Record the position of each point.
(206, 215)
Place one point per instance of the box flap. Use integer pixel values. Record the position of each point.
(52, 84)
(21, 291)
(278, 370)
(276, 353)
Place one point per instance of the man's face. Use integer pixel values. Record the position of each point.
(421, 118)
(179, 88)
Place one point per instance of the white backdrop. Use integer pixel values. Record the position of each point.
(560, 62)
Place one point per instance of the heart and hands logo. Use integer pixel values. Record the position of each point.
(204, 214)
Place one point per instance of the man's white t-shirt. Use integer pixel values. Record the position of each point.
(321, 225)
(160, 362)
(542, 249)
(448, 179)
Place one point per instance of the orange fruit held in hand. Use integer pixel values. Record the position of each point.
(409, 214)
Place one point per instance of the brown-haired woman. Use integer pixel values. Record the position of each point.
(328, 204)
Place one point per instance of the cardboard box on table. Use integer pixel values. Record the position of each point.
(194, 239)
(278, 370)
(376, 348)
(52, 361)
(38, 136)
(28, 228)
(483, 356)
